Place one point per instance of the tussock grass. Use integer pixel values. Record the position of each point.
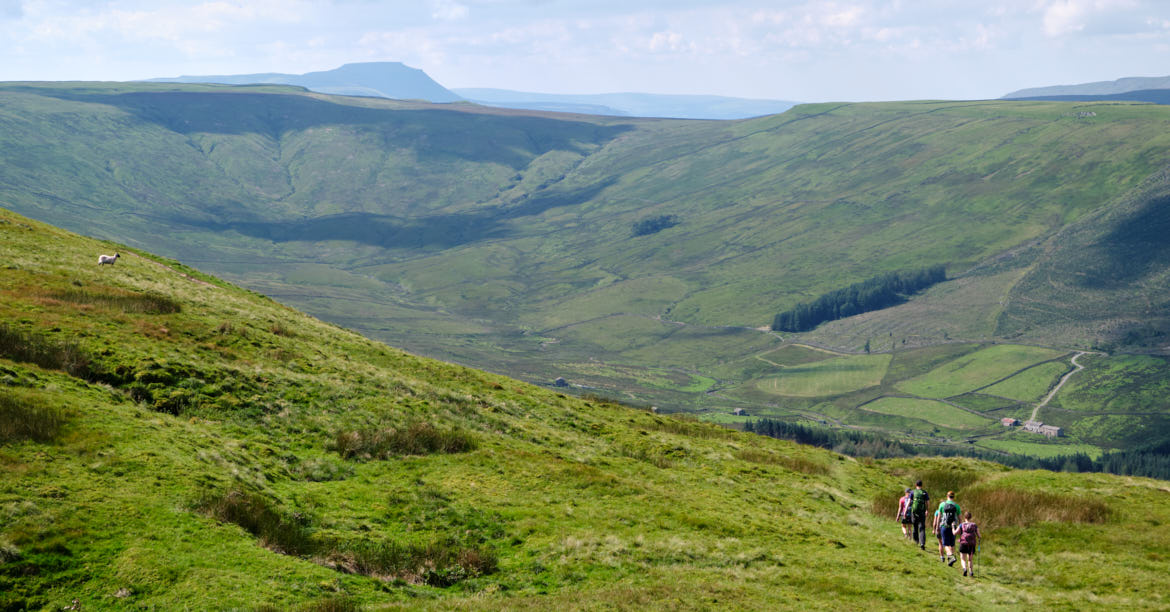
(321, 470)
(994, 507)
(438, 563)
(113, 299)
(689, 425)
(280, 329)
(8, 551)
(441, 562)
(25, 417)
(336, 603)
(936, 482)
(796, 464)
(939, 481)
(415, 439)
(284, 532)
(340, 603)
(32, 348)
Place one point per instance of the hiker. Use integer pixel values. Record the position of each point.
(918, 500)
(969, 538)
(945, 520)
(904, 516)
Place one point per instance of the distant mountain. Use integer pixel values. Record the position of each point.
(376, 79)
(635, 104)
(1155, 96)
(1099, 88)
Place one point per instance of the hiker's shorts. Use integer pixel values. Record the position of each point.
(946, 536)
(966, 549)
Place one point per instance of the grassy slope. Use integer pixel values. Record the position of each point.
(502, 238)
(586, 505)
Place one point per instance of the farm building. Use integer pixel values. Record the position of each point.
(1051, 431)
(1009, 422)
(739, 412)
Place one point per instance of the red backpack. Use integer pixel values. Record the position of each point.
(967, 533)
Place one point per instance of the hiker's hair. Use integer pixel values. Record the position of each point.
(950, 494)
(967, 515)
(918, 484)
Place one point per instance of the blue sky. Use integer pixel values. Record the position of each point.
(790, 50)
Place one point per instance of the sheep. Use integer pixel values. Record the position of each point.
(107, 259)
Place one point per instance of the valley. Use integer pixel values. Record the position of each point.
(507, 240)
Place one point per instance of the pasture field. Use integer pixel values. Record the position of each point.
(827, 377)
(795, 354)
(1118, 383)
(976, 370)
(1019, 443)
(1032, 384)
(931, 411)
(986, 403)
(918, 361)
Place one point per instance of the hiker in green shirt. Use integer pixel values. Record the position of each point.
(946, 518)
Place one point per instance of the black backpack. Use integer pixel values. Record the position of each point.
(950, 513)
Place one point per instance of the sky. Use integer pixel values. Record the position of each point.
(808, 51)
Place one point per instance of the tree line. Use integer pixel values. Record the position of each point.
(881, 291)
(1151, 461)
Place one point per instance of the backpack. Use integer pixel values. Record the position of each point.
(905, 505)
(967, 534)
(918, 499)
(950, 513)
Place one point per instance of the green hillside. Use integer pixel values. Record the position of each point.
(509, 240)
(171, 441)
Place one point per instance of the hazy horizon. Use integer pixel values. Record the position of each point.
(857, 50)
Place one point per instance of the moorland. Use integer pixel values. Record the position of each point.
(645, 260)
(171, 441)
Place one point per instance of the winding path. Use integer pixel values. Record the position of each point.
(1063, 379)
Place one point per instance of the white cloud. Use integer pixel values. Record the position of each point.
(804, 49)
(448, 10)
(1067, 17)
(669, 41)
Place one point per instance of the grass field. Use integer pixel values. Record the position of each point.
(1032, 384)
(1118, 383)
(793, 355)
(1019, 444)
(828, 377)
(976, 370)
(931, 411)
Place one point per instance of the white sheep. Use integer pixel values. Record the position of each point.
(107, 259)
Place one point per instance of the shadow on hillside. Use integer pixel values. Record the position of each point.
(509, 140)
(1132, 249)
(387, 231)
